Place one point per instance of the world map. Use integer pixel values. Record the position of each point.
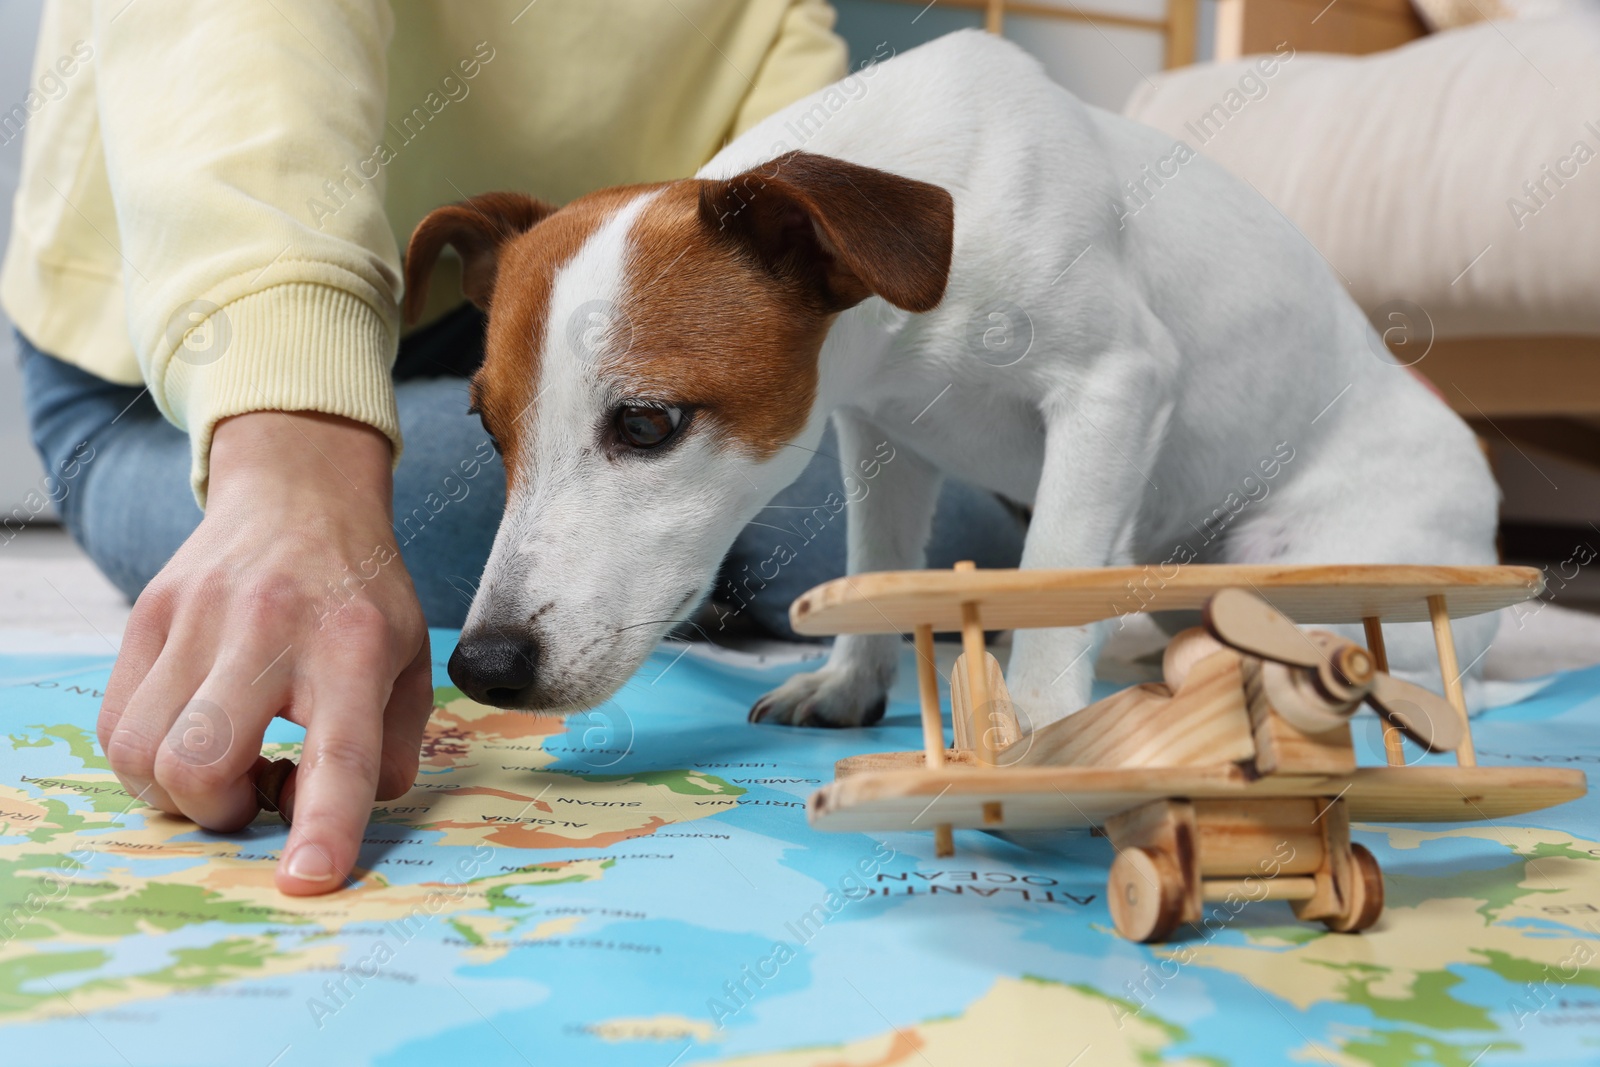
(638, 885)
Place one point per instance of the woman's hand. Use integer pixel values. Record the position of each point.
(289, 599)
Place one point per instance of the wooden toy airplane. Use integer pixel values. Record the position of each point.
(1236, 778)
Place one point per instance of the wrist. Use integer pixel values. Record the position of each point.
(306, 453)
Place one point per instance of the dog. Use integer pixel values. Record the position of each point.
(940, 255)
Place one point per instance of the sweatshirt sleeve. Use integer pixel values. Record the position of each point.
(260, 270)
(806, 56)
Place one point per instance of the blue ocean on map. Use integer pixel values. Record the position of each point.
(730, 931)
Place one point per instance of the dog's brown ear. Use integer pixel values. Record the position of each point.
(477, 227)
(856, 231)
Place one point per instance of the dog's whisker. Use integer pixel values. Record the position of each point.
(814, 452)
(647, 622)
(704, 635)
(467, 594)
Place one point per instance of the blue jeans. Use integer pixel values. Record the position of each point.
(119, 474)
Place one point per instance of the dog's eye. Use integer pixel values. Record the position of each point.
(647, 425)
(493, 440)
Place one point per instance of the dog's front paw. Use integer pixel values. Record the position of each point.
(822, 698)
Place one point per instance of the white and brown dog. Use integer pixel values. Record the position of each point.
(1182, 381)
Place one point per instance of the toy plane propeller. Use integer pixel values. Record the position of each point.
(1344, 673)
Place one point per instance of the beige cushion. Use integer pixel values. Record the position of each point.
(1448, 14)
(1460, 172)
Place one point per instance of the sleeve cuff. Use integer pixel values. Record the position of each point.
(293, 347)
(806, 56)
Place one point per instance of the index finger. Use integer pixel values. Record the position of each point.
(337, 780)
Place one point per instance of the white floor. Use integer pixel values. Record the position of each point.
(53, 600)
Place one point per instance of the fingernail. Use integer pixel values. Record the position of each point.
(310, 864)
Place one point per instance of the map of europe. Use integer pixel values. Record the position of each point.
(638, 885)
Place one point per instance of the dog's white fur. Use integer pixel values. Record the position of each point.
(1173, 353)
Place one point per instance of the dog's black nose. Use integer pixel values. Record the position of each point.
(494, 669)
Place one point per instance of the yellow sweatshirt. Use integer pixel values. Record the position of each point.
(214, 192)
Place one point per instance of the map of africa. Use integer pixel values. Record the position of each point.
(638, 885)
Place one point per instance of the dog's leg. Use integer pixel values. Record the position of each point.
(1096, 472)
(892, 493)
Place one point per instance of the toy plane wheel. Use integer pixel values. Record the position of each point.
(1366, 894)
(1145, 893)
